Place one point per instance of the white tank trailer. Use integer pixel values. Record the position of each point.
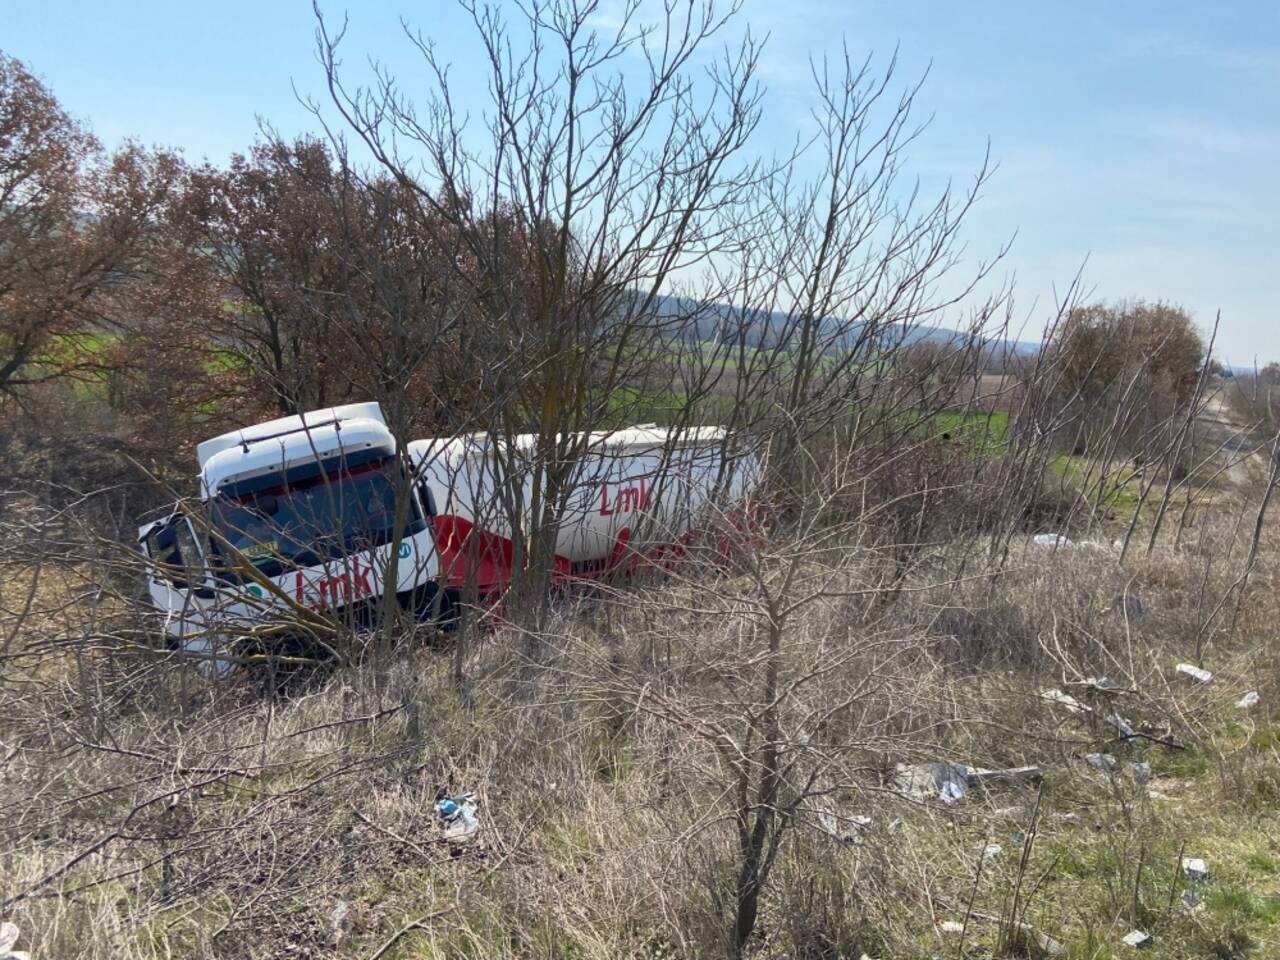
(323, 511)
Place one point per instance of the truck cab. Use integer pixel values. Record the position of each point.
(314, 512)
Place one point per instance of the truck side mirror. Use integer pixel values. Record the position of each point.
(428, 501)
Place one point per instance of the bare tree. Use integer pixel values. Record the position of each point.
(595, 185)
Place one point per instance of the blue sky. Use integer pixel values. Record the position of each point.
(1141, 137)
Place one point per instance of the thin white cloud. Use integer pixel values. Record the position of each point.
(1256, 63)
(1206, 134)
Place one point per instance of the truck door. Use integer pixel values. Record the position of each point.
(177, 574)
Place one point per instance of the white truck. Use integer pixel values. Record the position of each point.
(300, 514)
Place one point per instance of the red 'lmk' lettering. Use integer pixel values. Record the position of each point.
(350, 585)
(626, 499)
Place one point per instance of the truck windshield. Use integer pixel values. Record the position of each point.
(307, 521)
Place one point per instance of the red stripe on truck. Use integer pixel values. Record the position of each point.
(478, 559)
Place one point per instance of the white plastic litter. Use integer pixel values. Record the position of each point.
(1250, 699)
(338, 923)
(1194, 672)
(1104, 763)
(920, 781)
(951, 928)
(846, 829)
(1064, 700)
(1051, 540)
(980, 777)
(1195, 868)
(8, 938)
(990, 851)
(1100, 685)
(1123, 725)
(458, 815)
(1049, 946)
(951, 782)
(1074, 706)
(1138, 938)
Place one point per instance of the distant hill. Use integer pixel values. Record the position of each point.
(709, 325)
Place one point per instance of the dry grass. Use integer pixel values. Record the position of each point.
(200, 819)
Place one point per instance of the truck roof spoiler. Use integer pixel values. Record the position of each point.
(287, 425)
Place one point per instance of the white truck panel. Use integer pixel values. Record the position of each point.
(644, 481)
(286, 425)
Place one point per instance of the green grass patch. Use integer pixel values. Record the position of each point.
(1190, 764)
(224, 361)
(1243, 904)
(630, 405)
(1116, 490)
(1262, 862)
(986, 434)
